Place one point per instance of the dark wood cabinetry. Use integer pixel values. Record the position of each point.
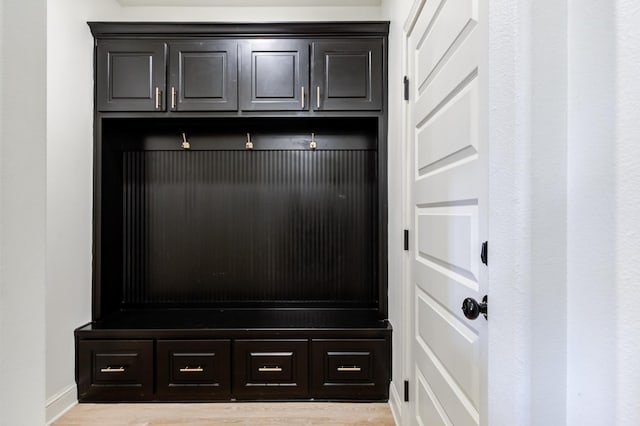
(115, 370)
(350, 368)
(193, 369)
(275, 75)
(269, 369)
(130, 75)
(347, 75)
(223, 269)
(203, 75)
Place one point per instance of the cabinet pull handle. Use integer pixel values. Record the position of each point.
(112, 370)
(354, 368)
(188, 369)
(270, 369)
(157, 98)
(317, 97)
(302, 97)
(173, 98)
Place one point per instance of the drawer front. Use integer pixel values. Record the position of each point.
(350, 369)
(193, 369)
(115, 370)
(266, 369)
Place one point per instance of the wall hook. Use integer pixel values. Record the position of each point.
(313, 145)
(185, 143)
(249, 144)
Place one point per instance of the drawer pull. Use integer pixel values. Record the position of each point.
(112, 370)
(354, 368)
(188, 369)
(270, 369)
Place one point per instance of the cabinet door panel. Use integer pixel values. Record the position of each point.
(204, 76)
(275, 75)
(131, 75)
(347, 75)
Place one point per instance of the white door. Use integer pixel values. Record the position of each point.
(446, 58)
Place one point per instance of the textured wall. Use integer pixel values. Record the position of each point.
(591, 214)
(627, 199)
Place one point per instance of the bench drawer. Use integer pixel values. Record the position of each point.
(193, 369)
(349, 369)
(115, 370)
(265, 369)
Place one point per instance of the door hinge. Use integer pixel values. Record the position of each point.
(406, 391)
(406, 88)
(484, 254)
(406, 240)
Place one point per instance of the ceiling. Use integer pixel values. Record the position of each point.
(251, 3)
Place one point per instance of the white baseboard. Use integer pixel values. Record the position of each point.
(395, 403)
(60, 403)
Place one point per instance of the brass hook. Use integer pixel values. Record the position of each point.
(313, 145)
(185, 143)
(249, 144)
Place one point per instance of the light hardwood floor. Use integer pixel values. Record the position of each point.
(241, 413)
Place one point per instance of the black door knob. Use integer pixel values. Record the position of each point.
(472, 309)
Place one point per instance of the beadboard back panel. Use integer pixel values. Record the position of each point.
(272, 227)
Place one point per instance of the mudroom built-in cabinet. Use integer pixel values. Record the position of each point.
(240, 214)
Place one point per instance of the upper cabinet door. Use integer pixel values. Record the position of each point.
(131, 75)
(347, 75)
(204, 76)
(274, 75)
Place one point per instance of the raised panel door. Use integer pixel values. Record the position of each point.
(347, 75)
(274, 75)
(131, 75)
(204, 75)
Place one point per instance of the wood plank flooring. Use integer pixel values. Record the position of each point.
(241, 413)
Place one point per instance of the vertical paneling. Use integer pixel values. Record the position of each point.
(260, 226)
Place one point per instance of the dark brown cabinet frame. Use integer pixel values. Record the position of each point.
(166, 219)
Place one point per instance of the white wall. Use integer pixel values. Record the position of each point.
(591, 322)
(509, 216)
(253, 14)
(627, 213)
(565, 213)
(22, 212)
(69, 187)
